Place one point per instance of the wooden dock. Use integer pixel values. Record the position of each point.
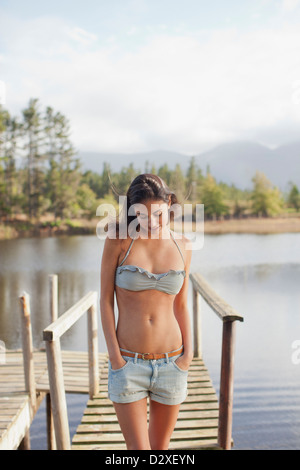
(196, 428)
(16, 414)
(27, 377)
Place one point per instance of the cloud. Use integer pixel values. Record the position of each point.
(81, 36)
(290, 5)
(177, 91)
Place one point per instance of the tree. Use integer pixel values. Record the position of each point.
(33, 135)
(63, 176)
(9, 183)
(266, 200)
(3, 120)
(194, 179)
(294, 197)
(94, 181)
(165, 173)
(68, 168)
(12, 186)
(212, 198)
(177, 182)
(119, 182)
(106, 184)
(238, 199)
(87, 200)
(53, 178)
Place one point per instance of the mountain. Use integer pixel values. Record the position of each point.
(94, 161)
(232, 163)
(237, 163)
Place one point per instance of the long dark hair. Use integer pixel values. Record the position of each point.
(145, 187)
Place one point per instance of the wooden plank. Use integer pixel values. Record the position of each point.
(117, 437)
(196, 427)
(100, 417)
(17, 426)
(114, 427)
(56, 329)
(202, 444)
(12, 387)
(218, 305)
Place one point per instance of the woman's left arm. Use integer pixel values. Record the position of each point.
(182, 315)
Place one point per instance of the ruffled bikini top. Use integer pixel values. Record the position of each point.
(135, 278)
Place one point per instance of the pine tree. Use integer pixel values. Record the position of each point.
(194, 179)
(294, 197)
(68, 169)
(177, 182)
(33, 135)
(165, 173)
(51, 126)
(3, 119)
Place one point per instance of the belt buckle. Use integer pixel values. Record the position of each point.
(143, 356)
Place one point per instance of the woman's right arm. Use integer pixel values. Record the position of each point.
(109, 262)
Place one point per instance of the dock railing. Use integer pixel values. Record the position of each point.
(51, 336)
(229, 318)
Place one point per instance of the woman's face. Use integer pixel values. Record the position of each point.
(153, 215)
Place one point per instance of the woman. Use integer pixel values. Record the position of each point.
(151, 350)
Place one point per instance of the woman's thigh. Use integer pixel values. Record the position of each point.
(162, 421)
(132, 418)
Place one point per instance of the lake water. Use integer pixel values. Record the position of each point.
(259, 275)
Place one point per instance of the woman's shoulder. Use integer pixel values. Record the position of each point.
(115, 241)
(180, 237)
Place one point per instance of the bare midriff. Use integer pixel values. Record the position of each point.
(146, 322)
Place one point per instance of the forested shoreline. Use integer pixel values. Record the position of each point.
(43, 188)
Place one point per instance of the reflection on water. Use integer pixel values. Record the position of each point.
(267, 383)
(257, 274)
(26, 265)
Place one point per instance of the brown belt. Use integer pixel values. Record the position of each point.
(150, 356)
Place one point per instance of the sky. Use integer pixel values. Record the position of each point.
(143, 75)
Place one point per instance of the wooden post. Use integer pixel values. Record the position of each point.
(53, 290)
(58, 396)
(52, 336)
(50, 427)
(197, 324)
(53, 297)
(226, 385)
(93, 351)
(28, 351)
(25, 442)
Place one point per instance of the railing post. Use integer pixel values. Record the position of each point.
(58, 396)
(197, 324)
(28, 350)
(93, 350)
(50, 425)
(53, 290)
(226, 385)
(53, 297)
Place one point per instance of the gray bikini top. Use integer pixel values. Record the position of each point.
(135, 278)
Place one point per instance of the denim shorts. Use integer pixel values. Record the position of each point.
(161, 380)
